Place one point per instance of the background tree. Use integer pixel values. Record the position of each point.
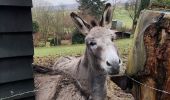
(45, 21)
(57, 24)
(143, 5)
(62, 24)
(54, 23)
(134, 7)
(92, 7)
(115, 3)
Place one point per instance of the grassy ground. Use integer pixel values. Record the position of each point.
(60, 50)
(121, 14)
(122, 44)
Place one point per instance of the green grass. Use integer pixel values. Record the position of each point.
(121, 14)
(60, 50)
(122, 44)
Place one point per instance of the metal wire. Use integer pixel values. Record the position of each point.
(163, 91)
(33, 91)
(9, 97)
(20, 94)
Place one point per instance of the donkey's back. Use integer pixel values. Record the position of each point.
(67, 64)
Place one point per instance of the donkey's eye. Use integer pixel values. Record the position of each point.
(92, 43)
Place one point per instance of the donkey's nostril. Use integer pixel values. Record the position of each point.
(119, 61)
(108, 63)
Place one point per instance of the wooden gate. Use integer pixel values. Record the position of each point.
(16, 49)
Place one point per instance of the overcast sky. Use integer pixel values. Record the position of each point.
(59, 2)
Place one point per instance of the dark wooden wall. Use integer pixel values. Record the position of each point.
(16, 49)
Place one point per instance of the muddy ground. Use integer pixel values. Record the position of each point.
(59, 86)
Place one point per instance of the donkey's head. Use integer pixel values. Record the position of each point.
(99, 42)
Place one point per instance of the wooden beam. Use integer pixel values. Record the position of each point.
(16, 3)
(16, 44)
(15, 69)
(15, 19)
(17, 87)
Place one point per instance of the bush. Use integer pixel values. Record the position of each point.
(77, 37)
(35, 26)
(55, 41)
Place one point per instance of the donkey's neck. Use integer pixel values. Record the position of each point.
(98, 86)
(91, 79)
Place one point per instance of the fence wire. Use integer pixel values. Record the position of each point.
(145, 85)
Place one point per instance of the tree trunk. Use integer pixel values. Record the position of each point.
(149, 59)
(135, 17)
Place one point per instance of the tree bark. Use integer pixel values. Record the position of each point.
(149, 60)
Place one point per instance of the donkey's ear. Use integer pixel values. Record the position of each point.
(106, 20)
(80, 23)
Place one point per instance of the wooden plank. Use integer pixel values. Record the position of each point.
(16, 3)
(15, 19)
(14, 69)
(13, 88)
(18, 44)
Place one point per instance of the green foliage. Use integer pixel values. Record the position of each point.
(77, 38)
(35, 26)
(167, 2)
(143, 5)
(161, 2)
(92, 7)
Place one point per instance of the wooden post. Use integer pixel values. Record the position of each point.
(149, 59)
(16, 49)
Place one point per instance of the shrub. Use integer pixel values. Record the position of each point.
(77, 37)
(35, 26)
(55, 41)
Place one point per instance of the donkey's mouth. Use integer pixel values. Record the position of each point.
(113, 71)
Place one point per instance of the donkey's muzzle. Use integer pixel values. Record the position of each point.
(114, 71)
(114, 68)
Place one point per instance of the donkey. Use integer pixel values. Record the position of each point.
(100, 59)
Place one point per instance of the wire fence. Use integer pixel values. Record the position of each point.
(145, 85)
(134, 80)
(23, 93)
